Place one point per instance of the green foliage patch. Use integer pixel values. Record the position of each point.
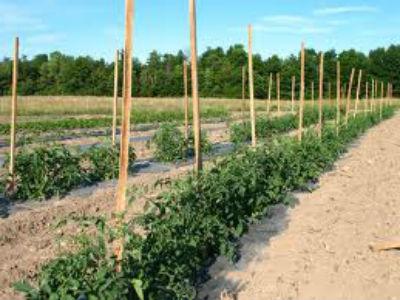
(49, 171)
(267, 127)
(171, 145)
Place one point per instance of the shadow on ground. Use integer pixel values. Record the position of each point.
(251, 245)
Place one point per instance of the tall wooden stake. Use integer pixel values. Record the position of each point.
(338, 96)
(269, 93)
(312, 95)
(251, 88)
(381, 101)
(321, 93)
(358, 92)
(371, 102)
(376, 93)
(344, 91)
(372, 95)
(366, 106)
(348, 101)
(243, 91)
(115, 100)
(186, 98)
(293, 91)
(125, 128)
(301, 108)
(195, 88)
(14, 112)
(387, 94)
(243, 83)
(278, 91)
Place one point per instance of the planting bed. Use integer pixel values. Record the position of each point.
(179, 290)
(218, 215)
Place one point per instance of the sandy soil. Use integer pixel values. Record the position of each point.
(320, 249)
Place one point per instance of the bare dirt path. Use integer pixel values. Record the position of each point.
(320, 248)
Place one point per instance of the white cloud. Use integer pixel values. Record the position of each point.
(45, 38)
(14, 19)
(344, 9)
(337, 22)
(311, 29)
(291, 24)
(286, 19)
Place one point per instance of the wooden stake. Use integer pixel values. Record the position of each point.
(387, 94)
(125, 128)
(348, 101)
(278, 91)
(14, 113)
(115, 100)
(344, 90)
(372, 95)
(243, 91)
(384, 246)
(301, 108)
(321, 93)
(269, 93)
(243, 83)
(391, 94)
(251, 88)
(293, 91)
(358, 92)
(195, 88)
(312, 94)
(186, 98)
(376, 93)
(338, 96)
(366, 106)
(391, 91)
(381, 101)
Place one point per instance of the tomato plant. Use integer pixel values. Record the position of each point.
(170, 144)
(47, 171)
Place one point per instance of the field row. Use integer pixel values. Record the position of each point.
(50, 164)
(199, 219)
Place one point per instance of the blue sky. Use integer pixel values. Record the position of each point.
(95, 27)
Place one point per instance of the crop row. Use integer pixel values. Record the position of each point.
(43, 172)
(267, 127)
(170, 144)
(48, 171)
(138, 117)
(198, 219)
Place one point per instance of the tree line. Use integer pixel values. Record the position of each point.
(220, 73)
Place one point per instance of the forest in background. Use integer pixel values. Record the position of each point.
(220, 73)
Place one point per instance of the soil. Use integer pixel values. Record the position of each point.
(321, 248)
